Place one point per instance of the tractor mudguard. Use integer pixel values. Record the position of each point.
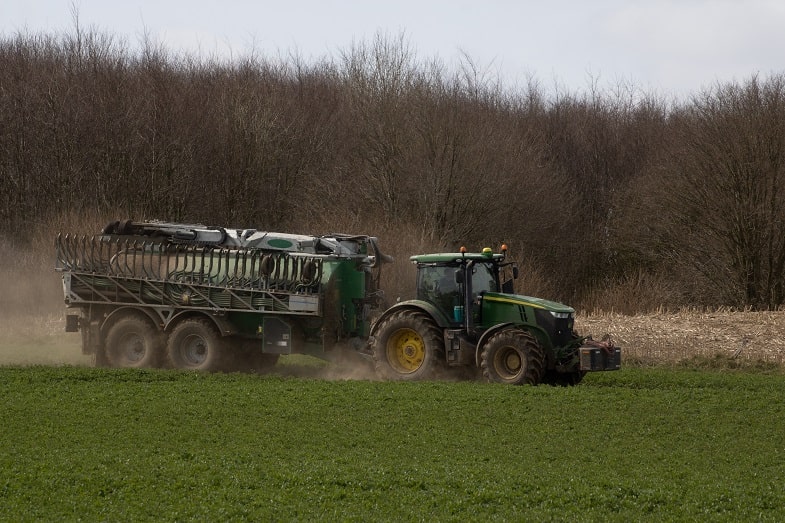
(441, 320)
(540, 335)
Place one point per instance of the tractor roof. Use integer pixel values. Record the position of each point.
(456, 257)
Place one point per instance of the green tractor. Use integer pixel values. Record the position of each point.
(466, 316)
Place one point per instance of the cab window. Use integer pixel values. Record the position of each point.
(483, 279)
(436, 284)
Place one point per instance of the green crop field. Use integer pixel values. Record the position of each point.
(126, 445)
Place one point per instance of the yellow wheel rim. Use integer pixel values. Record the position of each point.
(508, 363)
(405, 351)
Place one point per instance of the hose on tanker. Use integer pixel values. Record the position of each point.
(378, 256)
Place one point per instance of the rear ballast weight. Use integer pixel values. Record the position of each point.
(160, 294)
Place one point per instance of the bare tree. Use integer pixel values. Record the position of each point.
(731, 198)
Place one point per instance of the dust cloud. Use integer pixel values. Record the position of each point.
(30, 340)
(343, 370)
(32, 312)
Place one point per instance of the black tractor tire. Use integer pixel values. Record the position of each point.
(513, 356)
(408, 346)
(132, 342)
(195, 344)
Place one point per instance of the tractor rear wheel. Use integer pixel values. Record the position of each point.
(514, 357)
(132, 342)
(408, 345)
(196, 344)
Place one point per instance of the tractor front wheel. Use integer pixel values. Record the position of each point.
(408, 346)
(514, 357)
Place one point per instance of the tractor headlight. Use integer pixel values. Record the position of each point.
(561, 315)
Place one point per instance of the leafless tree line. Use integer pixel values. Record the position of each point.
(608, 198)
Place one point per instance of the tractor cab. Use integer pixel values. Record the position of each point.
(455, 282)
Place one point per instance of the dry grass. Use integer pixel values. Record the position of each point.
(672, 337)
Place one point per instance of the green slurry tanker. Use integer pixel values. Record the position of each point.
(189, 296)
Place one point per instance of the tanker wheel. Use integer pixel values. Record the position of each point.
(196, 344)
(514, 357)
(132, 342)
(408, 346)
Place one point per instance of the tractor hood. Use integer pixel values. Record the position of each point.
(537, 303)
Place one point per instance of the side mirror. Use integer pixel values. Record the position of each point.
(515, 272)
(458, 276)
